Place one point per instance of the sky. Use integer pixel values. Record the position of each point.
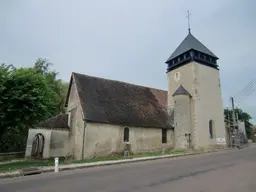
(130, 40)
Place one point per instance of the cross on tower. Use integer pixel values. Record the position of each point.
(188, 21)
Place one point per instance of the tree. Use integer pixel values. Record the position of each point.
(5, 71)
(27, 96)
(25, 100)
(42, 66)
(242, 116)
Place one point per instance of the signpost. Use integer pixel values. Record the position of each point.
(221, 141)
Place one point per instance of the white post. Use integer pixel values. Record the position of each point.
(56, 168)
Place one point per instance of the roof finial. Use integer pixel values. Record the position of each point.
(188, 21)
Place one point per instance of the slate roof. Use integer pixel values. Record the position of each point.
(181, 91)
(115, 102)
(59, 121)
(190, 42)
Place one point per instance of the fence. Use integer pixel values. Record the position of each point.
(12, 155)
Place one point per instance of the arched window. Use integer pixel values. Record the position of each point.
(211, 128)
(126, 134)
(38, 146)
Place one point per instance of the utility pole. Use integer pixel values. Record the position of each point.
(237, 142)
(229, 130)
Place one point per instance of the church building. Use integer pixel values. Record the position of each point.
(105, 116)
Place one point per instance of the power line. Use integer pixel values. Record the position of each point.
(248, 86)
(246, 91)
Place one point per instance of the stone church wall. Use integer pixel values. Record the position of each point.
(76, 123)
(203, 83)
(58, 144)
(47, 136)
(183, 76)
(182, 121)
(208, 102)
(55, 144)
(107, 139)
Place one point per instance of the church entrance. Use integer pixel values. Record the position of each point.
(38, 146)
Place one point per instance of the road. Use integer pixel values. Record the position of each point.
(230, 171)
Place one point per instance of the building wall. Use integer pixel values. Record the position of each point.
(181, 76)
(241, 127)
(76, 123)
(47, 136)
(106, 139)
(203, 84)
(208, 104)
(55, 144)
(59, 144)
(182, 121)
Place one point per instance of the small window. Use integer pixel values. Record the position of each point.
(126, 134)
(70, 118)
(211, 128)
(164, 135)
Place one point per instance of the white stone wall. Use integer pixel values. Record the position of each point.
(106, 139)
(241, 127)
(76, 138)
(59, 143)
(203, 84)
(47, 136)
(208, 102)
(55, 144)
(182, 121)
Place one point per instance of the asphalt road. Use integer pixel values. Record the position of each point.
(232, 171)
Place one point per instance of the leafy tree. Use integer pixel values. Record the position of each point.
(27, 96)
(242, 116)
(5, 71)
(42, 66)
(25, 100)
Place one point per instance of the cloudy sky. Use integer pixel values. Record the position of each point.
(130, 40)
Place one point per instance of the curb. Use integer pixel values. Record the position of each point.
(103, 163)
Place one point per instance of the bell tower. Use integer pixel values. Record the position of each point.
(193, 67)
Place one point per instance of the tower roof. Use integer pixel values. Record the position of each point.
(190, 42)
(181, 91)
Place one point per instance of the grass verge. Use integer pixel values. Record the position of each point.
(13, 166)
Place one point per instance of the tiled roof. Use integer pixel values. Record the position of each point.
(181, 91)
(115, 102)
(59, 121)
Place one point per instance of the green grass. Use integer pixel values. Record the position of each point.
(23, 164)
(108, 158)
(158, 153)
(43, 163)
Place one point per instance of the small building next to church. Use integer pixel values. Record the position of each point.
(103, 116)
